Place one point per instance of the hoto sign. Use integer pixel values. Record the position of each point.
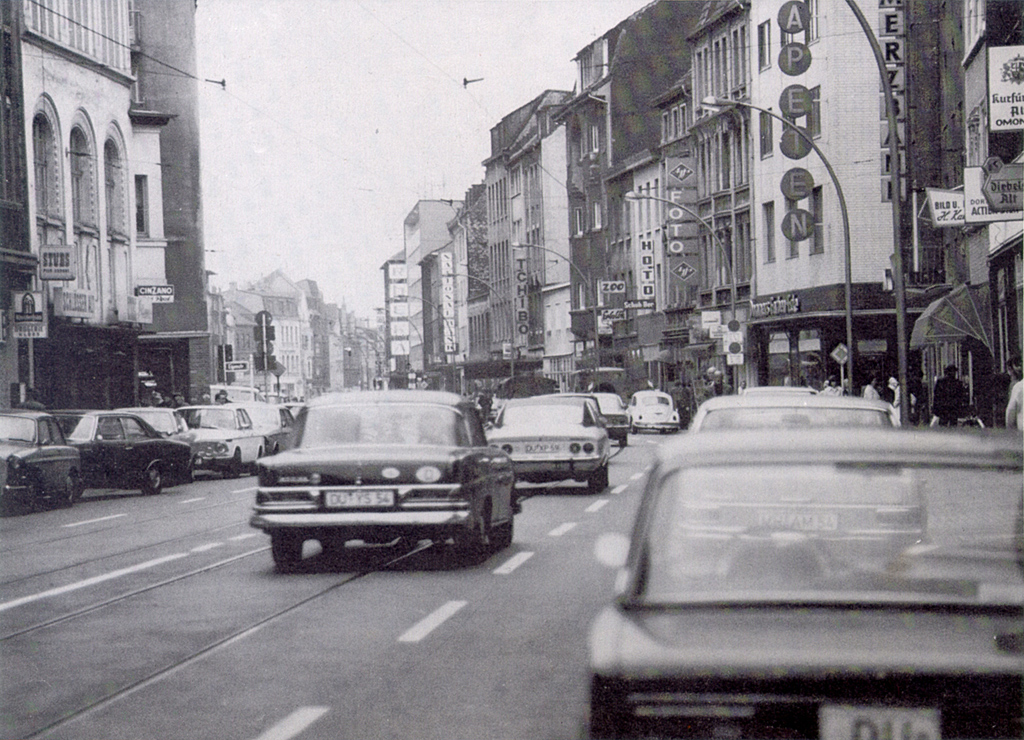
(159, 293)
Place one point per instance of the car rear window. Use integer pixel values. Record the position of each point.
(386, 423)
(17, 429)
(791, 416)
(543, 415)
(846, 532)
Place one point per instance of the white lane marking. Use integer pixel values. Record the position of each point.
(431, 622)
(636, 476)
(207, 546)
(512, 563)
(246, 536)
(192, 500)
(91, 581)
(619, 489)
(93, 521)
(294, 723)
(245, 490)
(561, 529)
(597, 506)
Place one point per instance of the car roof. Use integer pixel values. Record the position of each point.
(650, 392)
(30, 413)
(549, 398)
(783, 390)
(884, 446)
(137, 409)
(792, 400)
(399, 395)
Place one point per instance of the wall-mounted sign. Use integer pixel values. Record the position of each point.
(29, 314)
(1003, 185)
(448, 301)
(775, 307)
(80, 304)
(946, 207)
(159, 293)
(522, 303)
(976, 208)
(1005, 88)
(639, 305)
(56, 262)
(613, 286)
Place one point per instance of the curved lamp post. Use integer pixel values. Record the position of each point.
(592, 289)
(713, 102)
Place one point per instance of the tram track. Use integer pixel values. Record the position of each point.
(194, 656)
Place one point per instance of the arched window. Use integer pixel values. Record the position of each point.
(113, 174)
(46, 164)
(83, 198)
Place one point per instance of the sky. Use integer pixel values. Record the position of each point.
(337, 116)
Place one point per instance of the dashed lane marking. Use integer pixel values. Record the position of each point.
(245, 490)
(93, 521)
(597, 506)
(294, 723)
(619, 489)
(207, 546)
(561, 529)
(512, 563)
(431, 622)
(192, 500)
(636, 476)
(91, 581)
(245, 536)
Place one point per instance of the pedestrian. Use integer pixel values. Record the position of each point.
(949, 398)
(871, 390)
(205, 399)
(1015, 407)
(832, 387)
(221, 397)
(178, 400)
(894, 389)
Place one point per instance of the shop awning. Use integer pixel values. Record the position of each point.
(963, 312)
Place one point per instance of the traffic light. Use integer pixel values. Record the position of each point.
(263, 358)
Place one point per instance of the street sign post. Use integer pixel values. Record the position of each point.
(236, 366)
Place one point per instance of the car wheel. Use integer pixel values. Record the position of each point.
(624, 441)
(286, 549)
(502, 535)
(598, 480)
(153, 480)
(235, 467)
(471, 546)
(70, 492)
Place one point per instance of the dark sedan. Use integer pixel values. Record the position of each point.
(857, 584)
(121, 450)
(36, 463)
(386, 465)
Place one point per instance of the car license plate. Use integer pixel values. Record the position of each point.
(359, 498)
(801, 521)
(542, 447)
(845, 722)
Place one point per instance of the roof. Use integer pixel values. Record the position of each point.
(990, 448)
(793, 400)
(30, 413)
(389, 396)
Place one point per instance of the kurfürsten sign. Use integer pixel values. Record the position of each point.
(159, 293)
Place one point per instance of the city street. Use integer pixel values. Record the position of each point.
(130, 616)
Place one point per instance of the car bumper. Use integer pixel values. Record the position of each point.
(212, 461)
(547, 470)
(656, 426)
(359, 524)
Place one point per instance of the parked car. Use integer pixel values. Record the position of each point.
(860, 583)
(169, 422)
(226, 440)
(121, 450)
(616, 416)
(275, 422)
(37, 465)
(554, 437)
(791, 410)
(382, 465)
(653, 411)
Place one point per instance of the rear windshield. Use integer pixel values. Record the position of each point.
(163, 422)
(793, 416)
(209, 418)
(385, 423)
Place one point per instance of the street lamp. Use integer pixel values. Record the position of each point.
(713, 102)
(592, 289)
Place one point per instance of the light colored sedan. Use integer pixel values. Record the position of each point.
(791, 411)
(275, 421)
(652, 411)
(226, 440)
(553, 438)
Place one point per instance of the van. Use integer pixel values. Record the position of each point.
(238, 393)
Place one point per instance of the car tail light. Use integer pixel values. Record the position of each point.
(588, 447)
(507, 449)
(574, 448)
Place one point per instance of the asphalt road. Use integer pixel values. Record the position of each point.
(162, 617)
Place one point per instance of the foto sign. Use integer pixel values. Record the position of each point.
(159, 293)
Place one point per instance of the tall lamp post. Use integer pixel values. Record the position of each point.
(730, 264)
(592, 289)
(713, 102)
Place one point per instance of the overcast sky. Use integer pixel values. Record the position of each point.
(339, 115)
